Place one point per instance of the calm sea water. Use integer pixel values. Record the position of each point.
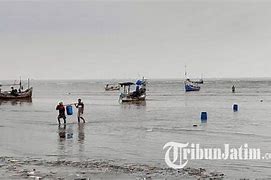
(137, 133)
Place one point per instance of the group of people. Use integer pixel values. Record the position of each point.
(62, 111)
(139, 91)
(14, 91)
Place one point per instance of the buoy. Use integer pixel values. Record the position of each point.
(69, 110)
(235, 107)
(204, 116)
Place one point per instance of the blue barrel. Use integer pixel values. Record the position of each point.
(235, 108)
(69, 110)
(139, 82)
(203, 116)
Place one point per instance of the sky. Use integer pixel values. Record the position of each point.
(128, 39)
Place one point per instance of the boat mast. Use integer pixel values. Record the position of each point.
(28, 83)
(20, 82)
(185, 72)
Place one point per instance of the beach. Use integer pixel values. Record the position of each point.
(125, 141)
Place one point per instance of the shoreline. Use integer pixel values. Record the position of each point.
(89, 169)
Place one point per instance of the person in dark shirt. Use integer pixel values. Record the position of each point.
(80, 107)
(233, 89)
(61, 109)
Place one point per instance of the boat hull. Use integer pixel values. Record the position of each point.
(27, 94)
(133, 99)
(125, 99)
(189, 88)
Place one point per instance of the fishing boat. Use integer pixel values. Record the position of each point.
(15, 94)
(138, 95)
(190, 86)
(112, 87)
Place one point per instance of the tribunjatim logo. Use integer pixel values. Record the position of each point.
(178, 155)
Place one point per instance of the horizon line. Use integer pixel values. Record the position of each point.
(74, 79)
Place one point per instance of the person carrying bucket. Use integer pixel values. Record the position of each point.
(61, 109)
(80, 107)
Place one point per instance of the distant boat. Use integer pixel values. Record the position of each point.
(190, 86)
(20, 94)
(139, 95)
(112, 87)
(26, 94)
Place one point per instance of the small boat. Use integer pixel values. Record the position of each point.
(189, 86)
(14, 95)
(139, 95)
(112, 87)
(26, 94)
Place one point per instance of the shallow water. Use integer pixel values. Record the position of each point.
(136, 134)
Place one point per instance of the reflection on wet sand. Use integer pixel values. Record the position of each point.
(81, 139)
(137, 105)
(62, 132)
(61, 142)
(81, 133)
(66, 140)
(14, 102)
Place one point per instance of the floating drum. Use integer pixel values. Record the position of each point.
(69, 110)
(203, 116)
(235, 107)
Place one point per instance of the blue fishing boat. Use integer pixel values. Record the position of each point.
(191, 86)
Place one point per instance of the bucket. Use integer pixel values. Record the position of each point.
(69, 110)
(203, 116)
(235, 108)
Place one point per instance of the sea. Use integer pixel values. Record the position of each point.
(125, 141)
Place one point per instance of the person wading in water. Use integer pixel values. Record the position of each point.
(61, 108)
(233, 89)
(80, 107)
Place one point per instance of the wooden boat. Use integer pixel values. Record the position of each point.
(133, 96)
(20, 94)
(26, 94)
(112, 87)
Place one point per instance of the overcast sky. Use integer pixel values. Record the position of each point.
(121, 39)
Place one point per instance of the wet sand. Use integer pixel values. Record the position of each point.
(94, 169)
